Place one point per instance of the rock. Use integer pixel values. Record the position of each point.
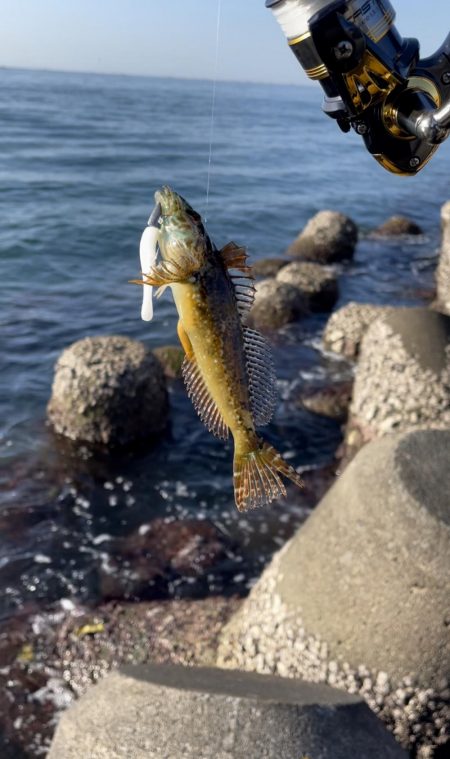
(359, 597)
(396, 226)
(330, 401)
(346, 327)
(268, 267)
(192, 713)
(443, 272)
(276, 304)
(317, 283)
(171, 358)
(403, 374)
(143, 563)
(328, 237)
(108, 391)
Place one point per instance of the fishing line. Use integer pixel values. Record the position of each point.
(213, 105)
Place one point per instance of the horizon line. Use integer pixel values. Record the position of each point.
(45, 70)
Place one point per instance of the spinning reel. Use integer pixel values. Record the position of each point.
(373, 80)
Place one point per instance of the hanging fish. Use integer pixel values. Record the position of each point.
(228, 368)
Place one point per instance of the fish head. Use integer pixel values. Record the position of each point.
(175, 234)
(182, 237)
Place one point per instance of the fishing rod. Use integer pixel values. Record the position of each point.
(374, 81)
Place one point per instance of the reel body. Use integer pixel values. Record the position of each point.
(373, 80)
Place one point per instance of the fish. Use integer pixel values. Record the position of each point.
(228, 368)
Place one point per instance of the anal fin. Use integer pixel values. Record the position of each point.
(201, 398)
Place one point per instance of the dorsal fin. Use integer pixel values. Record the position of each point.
(244, 290)
(201, 398)
(235, 257)
(261, 376)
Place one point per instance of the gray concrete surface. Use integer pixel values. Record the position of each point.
(359, 598)
(443, 272)
(186, 713)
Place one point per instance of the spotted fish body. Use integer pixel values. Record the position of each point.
(228, 369)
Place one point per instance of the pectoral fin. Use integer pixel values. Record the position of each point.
(166, 273)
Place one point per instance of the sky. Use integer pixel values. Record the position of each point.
(174, 37)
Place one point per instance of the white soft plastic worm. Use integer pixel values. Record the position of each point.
(148, 254)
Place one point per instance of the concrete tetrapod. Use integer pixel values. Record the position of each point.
(157, 712)
(443, 272)
(108, 391)
(402, 379)
(359, 598)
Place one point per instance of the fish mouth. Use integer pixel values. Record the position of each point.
(155, 217)
(169, 201)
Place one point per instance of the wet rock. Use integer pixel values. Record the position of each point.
(143, 563)
(346, 327)
(276, 304)
(66, 660)
(359, 597)
(332, 402)
(212, 714)
(317, 283)
(108, 391)
(396, 226)
(268, 267)
(171, 358)
(328, 237)
(403, 375)
(443, 272)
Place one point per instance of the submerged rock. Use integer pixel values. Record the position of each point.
(403, 375)
(268, 267)
(328, 237)
(276, 304)
(144, 563)
(443, 272)
(108, 391)
(346, 327)
(171, 358)
(194, 713)
(359, 597)
(317, 283)
(396, 226)
(331, 401)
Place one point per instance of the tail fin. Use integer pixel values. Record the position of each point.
(256, 479)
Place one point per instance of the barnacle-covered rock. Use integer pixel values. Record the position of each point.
(346, 327)
(171, 358)
(317, 283)
(276, 304)
(268, 267)
(402, 378)
(397, 226)
(328, 237)
(108, 391)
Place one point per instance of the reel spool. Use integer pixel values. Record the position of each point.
(373, 79)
